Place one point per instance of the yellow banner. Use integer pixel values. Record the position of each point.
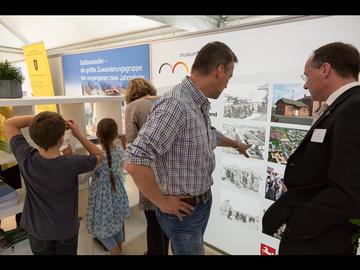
(39, 72)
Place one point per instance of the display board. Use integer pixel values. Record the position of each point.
(104, 72)
(264, 105)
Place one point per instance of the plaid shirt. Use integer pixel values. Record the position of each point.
(178, 142)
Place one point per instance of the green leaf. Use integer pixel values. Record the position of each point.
(355, 221)
(356, 237)
(9, 72)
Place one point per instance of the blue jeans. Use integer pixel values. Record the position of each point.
(186, 236)
(112, 241)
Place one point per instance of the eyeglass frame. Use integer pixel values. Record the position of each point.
(304, 77)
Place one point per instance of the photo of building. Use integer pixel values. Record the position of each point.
(292, 104)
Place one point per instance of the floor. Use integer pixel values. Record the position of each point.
(134, 245)
(135, 237)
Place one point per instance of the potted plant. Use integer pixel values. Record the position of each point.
(11, 80)
(356, 237)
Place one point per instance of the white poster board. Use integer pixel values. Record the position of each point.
(270, 58)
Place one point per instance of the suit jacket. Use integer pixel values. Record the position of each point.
(323, 179)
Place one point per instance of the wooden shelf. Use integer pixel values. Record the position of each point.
(30, 101)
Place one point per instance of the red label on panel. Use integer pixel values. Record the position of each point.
(267, 250)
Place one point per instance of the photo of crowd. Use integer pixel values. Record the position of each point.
(251, 104)
(274, 187)
(245, 179)
(233, 214)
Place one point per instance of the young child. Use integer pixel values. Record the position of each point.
(108, 202)
(50, 213)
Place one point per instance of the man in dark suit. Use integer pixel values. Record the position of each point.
(322, 176)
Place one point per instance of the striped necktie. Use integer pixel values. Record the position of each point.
(323, 107)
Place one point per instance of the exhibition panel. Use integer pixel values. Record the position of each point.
(264, 105)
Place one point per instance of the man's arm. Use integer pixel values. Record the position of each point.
(14, 125)
(227, 142)
(144, 179)
(89, 146)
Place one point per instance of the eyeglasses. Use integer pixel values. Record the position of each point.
(304, 77)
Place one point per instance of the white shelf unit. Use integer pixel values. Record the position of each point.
(70, 107)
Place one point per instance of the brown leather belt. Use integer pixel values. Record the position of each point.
(198, 198)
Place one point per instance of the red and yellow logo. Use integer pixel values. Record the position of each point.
(172, 68)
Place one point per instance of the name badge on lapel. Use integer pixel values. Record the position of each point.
(318, 135)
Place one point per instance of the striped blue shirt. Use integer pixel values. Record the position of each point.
(178, 141)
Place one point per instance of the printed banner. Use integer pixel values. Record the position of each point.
(39, 72)
(104, 72)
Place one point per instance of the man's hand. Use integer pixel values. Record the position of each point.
(242, 149)
(173, 205)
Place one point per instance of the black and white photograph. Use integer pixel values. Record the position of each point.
(235, 208)
(254, 135)
(274, 187)
(243, 177)
(246, 101)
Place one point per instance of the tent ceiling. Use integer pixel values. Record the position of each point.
(58, 31)
(63, 34)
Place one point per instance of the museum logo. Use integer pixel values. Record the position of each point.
(172, 68)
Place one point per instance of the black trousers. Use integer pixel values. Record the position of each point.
(12, 177)
(157, 241)
(54, 247)
(333, 241)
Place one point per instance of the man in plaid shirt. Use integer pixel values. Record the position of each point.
(178, 142)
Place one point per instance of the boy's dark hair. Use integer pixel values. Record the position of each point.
(212, 55)
(107, 132)
(46, 129)
(344, 58)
